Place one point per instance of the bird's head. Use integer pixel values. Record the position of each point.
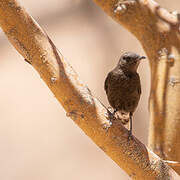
(130, 61)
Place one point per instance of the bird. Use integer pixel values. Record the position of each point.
(123, 87)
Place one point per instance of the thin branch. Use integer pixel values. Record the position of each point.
(86, 111)
(173, 163)
(159, 33)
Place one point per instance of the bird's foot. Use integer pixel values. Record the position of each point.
(129, 135)
(111, 113)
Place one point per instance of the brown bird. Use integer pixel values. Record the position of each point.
(123, 87)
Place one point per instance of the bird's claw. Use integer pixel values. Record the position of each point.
(129, 135)
(111, 115)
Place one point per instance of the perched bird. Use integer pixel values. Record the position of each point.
(123, 87)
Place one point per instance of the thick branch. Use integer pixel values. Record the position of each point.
(159, 33)
(88, 113)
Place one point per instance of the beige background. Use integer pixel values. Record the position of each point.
(37, 140)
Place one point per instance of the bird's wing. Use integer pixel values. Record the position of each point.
(139, 86)
(106, 82)
(139, 90)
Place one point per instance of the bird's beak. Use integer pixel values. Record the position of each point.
(142, 57)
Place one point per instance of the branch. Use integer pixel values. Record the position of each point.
(159, 33)
(86, 111)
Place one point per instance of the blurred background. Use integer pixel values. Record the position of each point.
(37, 140)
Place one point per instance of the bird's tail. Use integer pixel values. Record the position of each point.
(123, 117)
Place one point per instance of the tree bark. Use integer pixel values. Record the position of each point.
(159, 33)
(86, 111)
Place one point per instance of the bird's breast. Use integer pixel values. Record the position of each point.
(123, 93)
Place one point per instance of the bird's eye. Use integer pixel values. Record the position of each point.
(127, 58)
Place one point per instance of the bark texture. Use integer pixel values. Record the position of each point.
(86, 111)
